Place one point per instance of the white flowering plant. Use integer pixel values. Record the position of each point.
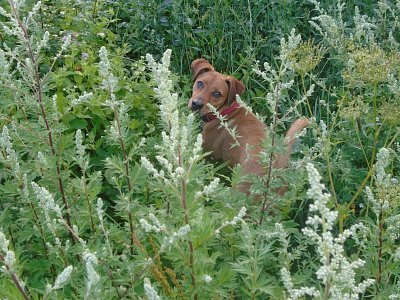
(106, 193)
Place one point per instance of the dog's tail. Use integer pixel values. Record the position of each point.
(282, 160)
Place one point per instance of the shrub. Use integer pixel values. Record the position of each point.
(104, 189)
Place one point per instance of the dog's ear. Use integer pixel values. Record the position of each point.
(236, 87)
(200, 66)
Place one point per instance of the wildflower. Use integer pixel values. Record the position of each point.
(109, 80)
(353, 108)
(11, 155)
(46, 201)
(82, 98)
(149, 166)
(43, 43)
(66, 43)
(61, 280)
(382, 161)
(85, 56)
(287, 47)
(364, 27)
(279, 232)
(150, 292)
(169, 241)
(238, 218)
(92, 278)
(296, 293)
(335, 272)
(197, 148)
(207, 278)
(9, 259)
(169, 101)
(370, 65)
(209, 189)
(156, 227)
(305, 57)
(80, 148)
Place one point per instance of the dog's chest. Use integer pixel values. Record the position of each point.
(218, 141)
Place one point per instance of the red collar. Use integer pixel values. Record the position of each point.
(211, 117)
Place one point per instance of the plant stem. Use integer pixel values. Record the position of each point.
(94, 9)
(42, 238)
(184, 206)
(16, 280)
(376, 130)
(89, 204)
(38, 87)
(270, 163)
(271, 157)
(380, 245)
(126, 164)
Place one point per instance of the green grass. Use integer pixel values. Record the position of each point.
(157, 229)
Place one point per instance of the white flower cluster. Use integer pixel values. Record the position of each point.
(197, 149)
(279, 233)
(46, 200)
(322, 145)
(41, 160)
(209, 189)
(80, 151)
(236, 219)
(175, 155)
(150, 292)
(321, 200)
(156, 226)
(288, 46)
(336, 272)
(364, 28)
(11, 156)
(82, 98)
(100, 213)
(92, 278)
(47, 203)
(168, 100)
(386, 188)
(109, 80)
(243, 104)
(4, 67)
(207, 278)
(281, 79)
(382, 161)
(331, 28)
(43, 44)
(169, 240)
(61, 280)
(296, 293)
(9, 258)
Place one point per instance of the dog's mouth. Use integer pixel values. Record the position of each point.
(207, 117)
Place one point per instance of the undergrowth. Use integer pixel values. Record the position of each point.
(105, 192)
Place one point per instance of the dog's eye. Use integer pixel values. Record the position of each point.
(217, 94)
(200, 84)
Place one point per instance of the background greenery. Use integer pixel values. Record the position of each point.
(352, 96)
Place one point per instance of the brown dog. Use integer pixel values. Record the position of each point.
(211, 87)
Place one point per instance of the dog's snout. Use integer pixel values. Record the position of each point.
(197, 104)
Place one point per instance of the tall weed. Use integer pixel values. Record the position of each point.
(105, 191)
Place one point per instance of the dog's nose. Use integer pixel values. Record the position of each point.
(197, 104)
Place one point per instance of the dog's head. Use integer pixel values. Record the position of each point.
(211, 87)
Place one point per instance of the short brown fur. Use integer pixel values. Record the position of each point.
(250, 130)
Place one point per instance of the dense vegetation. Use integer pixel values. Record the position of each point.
(105, 192)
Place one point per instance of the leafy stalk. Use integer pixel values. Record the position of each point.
(39, 94)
